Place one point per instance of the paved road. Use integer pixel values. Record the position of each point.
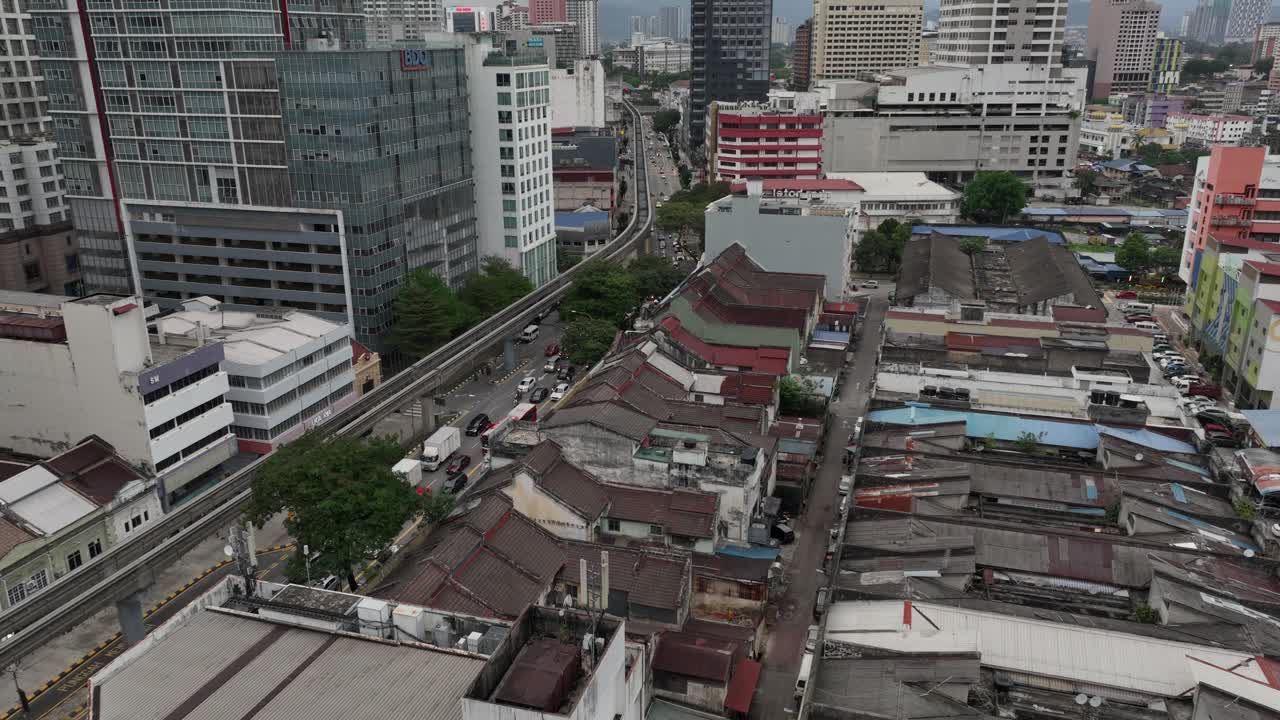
(775, 695)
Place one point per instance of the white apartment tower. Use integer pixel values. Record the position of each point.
(510, 108)
(586, 13)
(985, 32)
(851, 40)
(396, 20)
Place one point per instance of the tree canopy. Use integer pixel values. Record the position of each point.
(973, 245)
(653, 276)
(665, 120)
(428, 314)
(686, 211)
(798, 396)
(600, 291)
(1134, 253)
(994, 197)
(342, 498)
(1166, 257)
(496, 286)
(586, 340)
(1263, 67)
(1086, 181)
(1201, 68)
(1154, 154)
(880, 250)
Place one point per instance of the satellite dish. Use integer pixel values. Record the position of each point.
(1248, 552)
(1081, 698)
(1275, 529)
(1095, 701)
(1138, 457)
(228, 551)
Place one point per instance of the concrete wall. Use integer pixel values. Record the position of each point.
(815, 244)
(698, 693)
(577, 96)
(530, 500)
(52, 250)
(144, 503)
(607, 456)
(51, 554)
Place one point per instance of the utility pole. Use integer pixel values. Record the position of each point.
(22, 694)
(242, 547)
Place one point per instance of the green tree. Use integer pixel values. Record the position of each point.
(1165, 257)
(798, 396)
(665, 120)
(428, 314)
(880, 250)
(653, 277)
(686, 176)
(496, 286)
(341, 497)
(1028, 442)
(1263, 67)
(587, 339)
(1086, 181)
(566, 259)
(1199, 68)
(973, 245)
(681, 217)
(994, 197)
(1134, 253)
(600, 291)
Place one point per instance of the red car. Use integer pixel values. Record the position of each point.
(1127, 295)
(1216, 428)
(458, 464)
(553, 349)
(1205, 390)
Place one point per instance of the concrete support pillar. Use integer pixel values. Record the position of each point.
(508, 354)
(129, 614)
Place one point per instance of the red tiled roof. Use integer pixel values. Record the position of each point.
(966, 341)
(743, 686)
(749, 388)
(679, 512)
(770, 360)
(1029, 324)
(695, 656)
(11, 536)
(8, 468)
(1269, 269)
(752, 570)
(909, 315)
(1272, 305)
(359, 351)
(841, 308)
(656, 580)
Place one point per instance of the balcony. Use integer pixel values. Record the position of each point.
(1229, 199)
(1229, 221)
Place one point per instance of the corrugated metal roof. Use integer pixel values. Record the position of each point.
(1084, 654)
(286, 673)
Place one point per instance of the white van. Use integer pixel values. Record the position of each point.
(530, 334)
(802, 680)
(1146, 325)
(1138, 307)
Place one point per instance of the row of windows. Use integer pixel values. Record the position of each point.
(192, 449)
(249, 433)
(248, 408)
(254, 383)
(180, 383)
(190, 414)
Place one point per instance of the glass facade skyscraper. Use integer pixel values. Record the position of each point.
(386, 143)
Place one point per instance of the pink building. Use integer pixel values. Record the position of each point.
(1236, 197)
(548, 11)
(753, 140)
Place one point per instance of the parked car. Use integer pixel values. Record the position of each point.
(457, 464)
(1183, 383)
(1203, 389)
(552, 364)
(559, 392)
(1220, 439)
(526, 384)
(846, 484)
(539, 394)
(820, 604)
(1215, 427)
(1175, 369)
(479, 423)
(1213, 415)
(1127, 295)
(566, 373)
(552, 350)
(870, 284)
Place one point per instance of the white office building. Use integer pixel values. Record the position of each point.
(397, 20)
(510, 113)
(983, 32)
(851, 40)
(286, 372)
(86, 366)
(586, 13)
(577, 95)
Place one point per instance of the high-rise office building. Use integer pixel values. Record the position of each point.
(637, 24)
(510, 97)
(651, 26)
(546, 11)
(982, 32)
(510, 15)
(38, 250)
(729, 42)
(1122, 45)
(1229, 21)
(397, 20)
(586, 15)
(250, 158)
(1245, 18)
(781, 31)
(1166, 69)
(802, 56)
(851, 41)
(1266, 41)
(671, 22)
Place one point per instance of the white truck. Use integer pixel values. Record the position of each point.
(437, 449)
(411, 470)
